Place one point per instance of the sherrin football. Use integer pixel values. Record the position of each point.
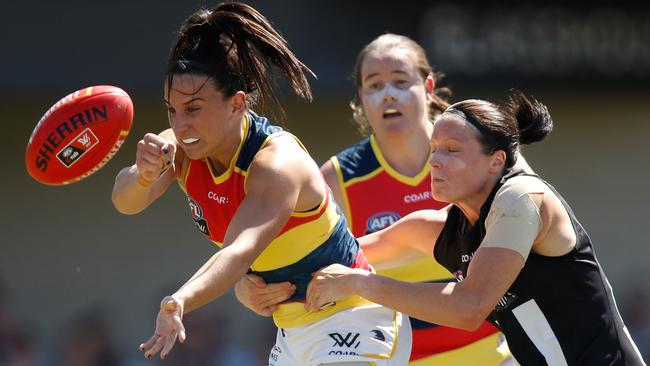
(79, 134)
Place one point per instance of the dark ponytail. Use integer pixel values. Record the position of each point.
(236, 46)
(521, 120)
(532, 117)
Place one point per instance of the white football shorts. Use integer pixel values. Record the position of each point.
(364, 335)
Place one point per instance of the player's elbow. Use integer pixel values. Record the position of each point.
(122, 206)
(126, 210)
(471, 321)
(474, 311)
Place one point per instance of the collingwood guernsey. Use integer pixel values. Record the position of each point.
(559, 310)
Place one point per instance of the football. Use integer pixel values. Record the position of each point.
(79, 134)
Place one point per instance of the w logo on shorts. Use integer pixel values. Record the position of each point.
(347, 341)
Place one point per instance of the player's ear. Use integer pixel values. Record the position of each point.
(238, 102)
(429, 87)
(498, 161)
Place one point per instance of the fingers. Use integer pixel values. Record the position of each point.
(316, 298)
(311, 297)
(264, 301)
(268, 311)
(274, 290)
(275, 293)
(164, 343)
(150, 160)
(169, 343)
(180, 329)
(148, 344)
(181, 335)
(154, 155)
(157, 346)
(172, 306)
(255, 280)
(169, 327)
(261, 297)
(170, 151)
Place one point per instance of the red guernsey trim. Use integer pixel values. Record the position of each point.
(360, 261)
(297, 221)
(427, 342)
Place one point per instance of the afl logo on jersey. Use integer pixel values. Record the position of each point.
(197, 215)
(381, 220)
(195, 208)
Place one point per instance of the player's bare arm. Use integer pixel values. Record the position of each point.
(332, 180)
(463, 305)
(156, 166)
(273, 194)
(415, 232)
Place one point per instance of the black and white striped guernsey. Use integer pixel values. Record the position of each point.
(559, 310)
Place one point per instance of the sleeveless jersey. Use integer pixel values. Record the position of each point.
(559, 310)
(375, 196)
(309, 240)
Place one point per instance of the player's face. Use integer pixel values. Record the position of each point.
(201, 117)
(459, 167)
(392, 91)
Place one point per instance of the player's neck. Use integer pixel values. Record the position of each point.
(406, 153)
(221, 158)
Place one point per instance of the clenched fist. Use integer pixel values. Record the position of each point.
(154, 156)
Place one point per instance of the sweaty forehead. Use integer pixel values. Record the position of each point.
(388, 60)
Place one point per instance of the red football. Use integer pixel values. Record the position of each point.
(79, 134)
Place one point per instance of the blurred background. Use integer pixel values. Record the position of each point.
(80, 284)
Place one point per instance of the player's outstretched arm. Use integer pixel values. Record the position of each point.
(415, 232)
(273, 187)
(155, 168)
(463, 305)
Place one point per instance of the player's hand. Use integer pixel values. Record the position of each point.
(260, 297)
(169, 326)
(154, 155)
(330, 284)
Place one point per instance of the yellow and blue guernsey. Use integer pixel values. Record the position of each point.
(375, 196)
(309, 240)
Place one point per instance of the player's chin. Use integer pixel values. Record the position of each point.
(439, 194)
(193, 152)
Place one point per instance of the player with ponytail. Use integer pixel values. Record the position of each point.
(521, 258)
(254, 191)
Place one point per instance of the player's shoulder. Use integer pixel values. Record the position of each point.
(517, 191)
(356, 160)
(520, 185)
(282, 152)
(356, 150)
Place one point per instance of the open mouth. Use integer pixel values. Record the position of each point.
(391, 113)
(190, 140)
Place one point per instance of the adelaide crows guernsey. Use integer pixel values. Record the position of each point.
(309, 240)
(375, 196)
(559, 310)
